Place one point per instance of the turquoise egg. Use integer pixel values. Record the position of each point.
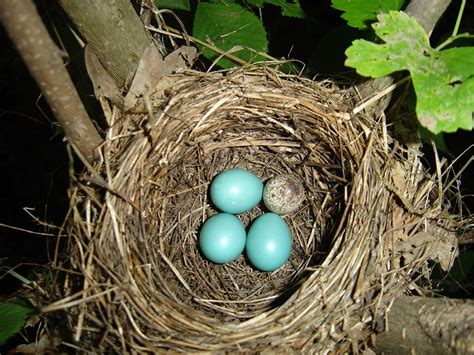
(269, 242)
(222, 238)
(236, 191)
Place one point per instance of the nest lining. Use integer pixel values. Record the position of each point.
(137, 245)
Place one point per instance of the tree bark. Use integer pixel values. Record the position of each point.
(427, 13)
(422, 325)
(114, 31)
(43, 59)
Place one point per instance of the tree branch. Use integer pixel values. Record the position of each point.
(427, 12)
(44, 62)
(113, 30)
(421, 325)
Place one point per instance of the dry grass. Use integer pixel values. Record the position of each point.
(368, 226)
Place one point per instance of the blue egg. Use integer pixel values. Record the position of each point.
(268, 242)
(236, 191)
(222, 238)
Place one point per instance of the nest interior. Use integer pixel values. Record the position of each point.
(147, 287)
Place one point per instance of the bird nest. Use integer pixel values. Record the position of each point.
(365, 232)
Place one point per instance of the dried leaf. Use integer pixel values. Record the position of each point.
(152, 68)
(438, 246)
(44, 344)
(103, 83)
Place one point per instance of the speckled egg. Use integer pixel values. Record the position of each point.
(283, 194)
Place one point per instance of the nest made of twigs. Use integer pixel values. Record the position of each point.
(363, 234)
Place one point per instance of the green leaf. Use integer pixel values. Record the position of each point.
(443, 80)
(174, 4)
(358, 13)
(223, 2)
(256, 3)
(12, 319)
(289, 8)
(228, 26)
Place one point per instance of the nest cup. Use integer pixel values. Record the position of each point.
(147, 286)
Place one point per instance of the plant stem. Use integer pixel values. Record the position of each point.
(452, 39)
(43, 59)
(458, 20)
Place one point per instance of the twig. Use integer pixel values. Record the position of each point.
(28, 231)
(43, 59)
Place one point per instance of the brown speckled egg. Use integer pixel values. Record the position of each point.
(283, 194)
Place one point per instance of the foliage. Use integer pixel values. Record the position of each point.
(174, 4)
(229, 27)
(358, 13)
(443, 80)
(288, 8)
(12, 319)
